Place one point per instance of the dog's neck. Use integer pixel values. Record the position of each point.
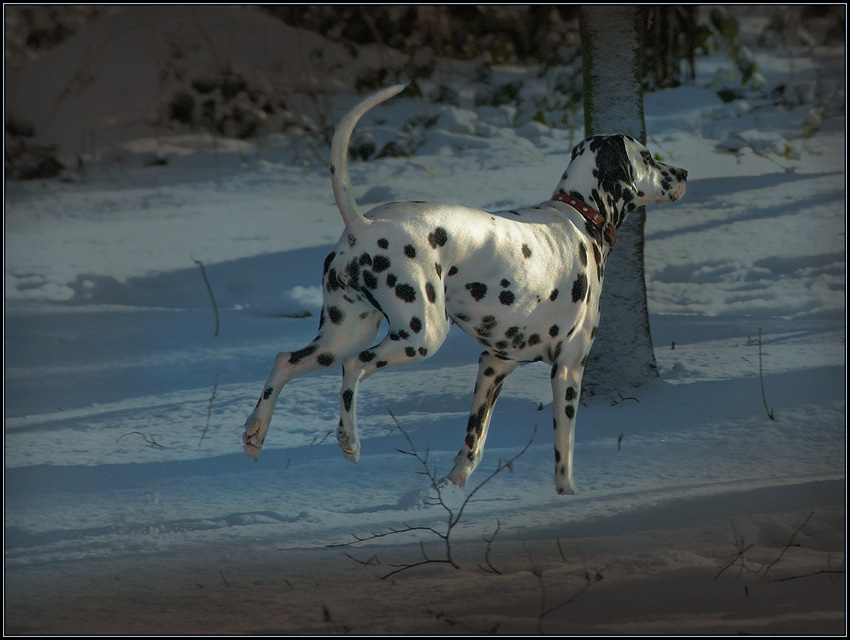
(594, 218)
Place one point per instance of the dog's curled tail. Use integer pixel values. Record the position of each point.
(345, 202)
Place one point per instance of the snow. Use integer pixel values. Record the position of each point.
(129, 505)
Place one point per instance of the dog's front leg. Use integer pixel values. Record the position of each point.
(566, 389)
(491, 373)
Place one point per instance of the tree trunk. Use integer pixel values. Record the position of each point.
(612, 50)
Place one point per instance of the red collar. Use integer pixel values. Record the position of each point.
(609, 231)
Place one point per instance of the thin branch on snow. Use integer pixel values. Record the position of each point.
(453, 516)
(212, 297)
(761, 380)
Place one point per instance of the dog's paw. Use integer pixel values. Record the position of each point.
(565, 487)
(459, 475)
(253, 438)
(350, 446)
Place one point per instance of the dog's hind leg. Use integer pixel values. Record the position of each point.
(345, 328)
(492, 371)
(412, 337)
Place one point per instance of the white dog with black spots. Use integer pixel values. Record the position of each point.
(524, 283)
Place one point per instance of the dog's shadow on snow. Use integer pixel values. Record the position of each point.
(282, 283)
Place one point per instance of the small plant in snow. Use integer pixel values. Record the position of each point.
(453, 515)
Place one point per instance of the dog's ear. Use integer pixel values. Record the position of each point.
(613, 167)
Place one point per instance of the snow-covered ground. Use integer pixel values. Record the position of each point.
(129, 505)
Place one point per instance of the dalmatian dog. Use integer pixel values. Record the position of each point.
(523, 283)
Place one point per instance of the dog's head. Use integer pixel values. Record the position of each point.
(615, 174)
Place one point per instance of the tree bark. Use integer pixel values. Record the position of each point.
(612, 51)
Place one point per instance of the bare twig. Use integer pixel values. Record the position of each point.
(453, 516)
(538, 573)
(326, 617)
(147, 439)
(366, 563)
(209, 289)
(738, 555)
(761, 380)
(490, 568)
(807, 575)
(739, 542)
(209, 408)
(452, 621)
(789, 544)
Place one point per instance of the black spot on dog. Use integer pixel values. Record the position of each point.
(423, 351)
(332, 282)
(391, 280)
(325, 359)
(533, 339)
(405, 292)
(328, 261)
(415, 324)
(371, 299)
(383, 243)
(570, 394)
(438, 237)
(380, 364)
(370, 280)
(347, 397)
(452, 271)
(570, 411)
(352, 269)
(297, 356)
(267, 392)
(365, 259)
(526, 251)
(366, 356)
(410, 352)
(336, 315)
(488, 323)
(505, 283)
(477, 289)
(439, 269)
(579, 287)
(380, 263)
(429, 291)
(554, 330)
(409, 251)
(506, 298)
(582, 254)
(553, 295)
